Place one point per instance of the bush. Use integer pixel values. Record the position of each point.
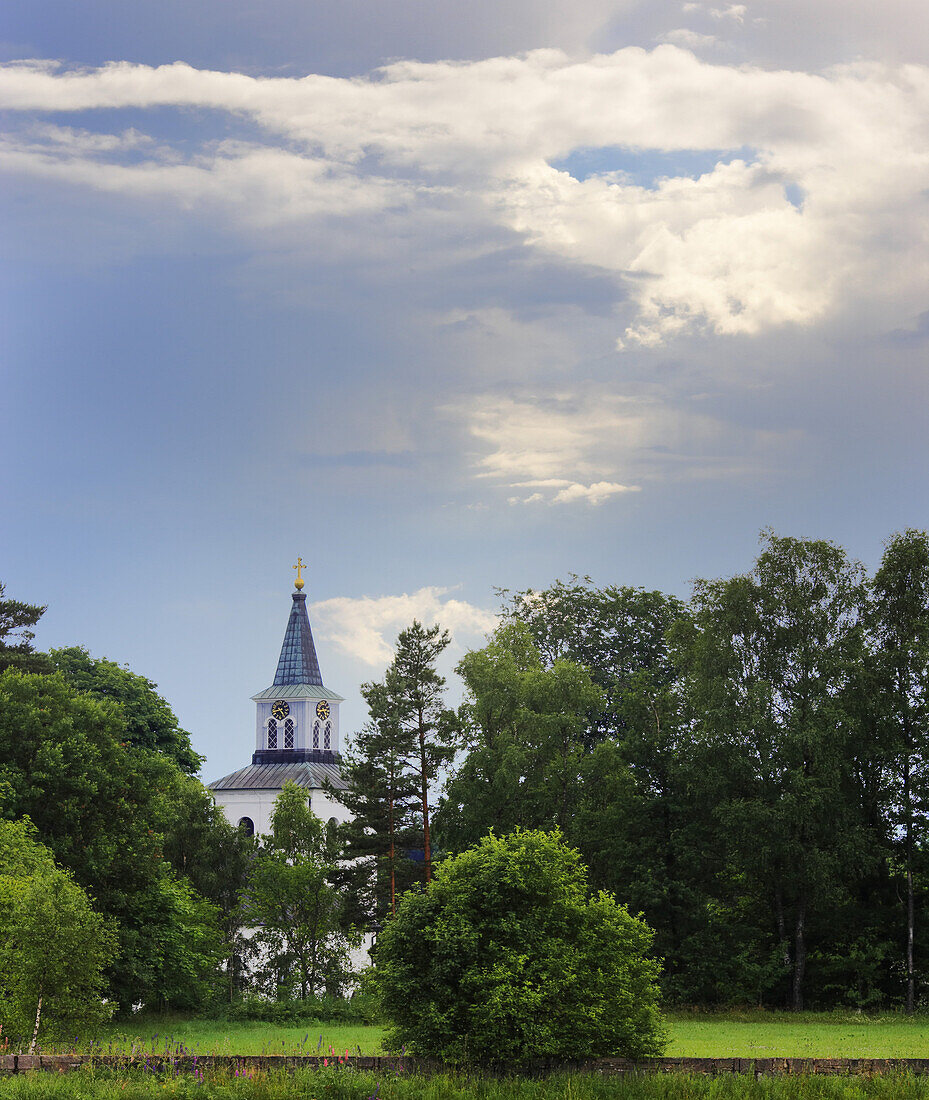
(357, 1010)
(505, 958)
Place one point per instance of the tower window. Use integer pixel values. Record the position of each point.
(316, 735)
(289, 734)
(326, 732)
(247, 826)
(272, 734)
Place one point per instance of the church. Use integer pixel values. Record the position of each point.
(296, 734)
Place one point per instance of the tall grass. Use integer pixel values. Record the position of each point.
(351, 1085)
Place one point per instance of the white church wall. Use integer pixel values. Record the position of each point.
(258, 805)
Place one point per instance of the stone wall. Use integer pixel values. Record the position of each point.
(756, 1067)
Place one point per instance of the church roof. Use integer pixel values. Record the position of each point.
(298, 663)
(299, 691)
(274, 776)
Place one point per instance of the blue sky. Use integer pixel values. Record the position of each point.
(443, 297)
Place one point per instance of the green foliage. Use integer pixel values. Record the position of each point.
(504, 958)
(96, 803)
(300, 939)
(525, 730)
(53, 946)
(383, 797)
(16, 649)
(391, 770)
(358, 1009)
(150, 722)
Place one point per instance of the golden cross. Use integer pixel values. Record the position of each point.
(298, 583)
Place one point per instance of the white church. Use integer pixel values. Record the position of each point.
(296, 735)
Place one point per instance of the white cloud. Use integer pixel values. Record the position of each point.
(571, 492)
(725, 253)
(366, 627)
(733, 11)
(589, 446)
(689, 39)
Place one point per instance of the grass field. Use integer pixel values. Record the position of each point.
(348, 1085)
(808, 1035)
(154, 1033)
(702, 1035)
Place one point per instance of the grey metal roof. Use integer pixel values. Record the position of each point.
(274, 776)
(298, 691)
(298, 663)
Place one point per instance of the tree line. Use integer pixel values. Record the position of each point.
(121, 882)
(748, 769)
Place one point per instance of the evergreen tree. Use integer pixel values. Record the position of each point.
(382, 796)
(16, 649)
(413, 696)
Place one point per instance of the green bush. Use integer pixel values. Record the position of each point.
(356, 1010)
(505, 958)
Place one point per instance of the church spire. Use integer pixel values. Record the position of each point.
(298, 663)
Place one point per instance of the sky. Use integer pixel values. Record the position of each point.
(444, 298)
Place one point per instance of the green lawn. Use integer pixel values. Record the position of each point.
(809, 1035)
(724, 1035)
(154, 1033)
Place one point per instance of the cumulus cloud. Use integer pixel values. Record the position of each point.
(572, 492)
(727, 252)
(366, 627)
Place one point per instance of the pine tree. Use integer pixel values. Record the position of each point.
(381, 796)
(16, 649)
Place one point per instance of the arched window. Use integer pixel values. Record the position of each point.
(326, 733)
(289, 733)
(247, 826)
(316, 735)
(272, 734)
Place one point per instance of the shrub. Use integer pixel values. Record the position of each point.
(359, 1009)
(506, 958)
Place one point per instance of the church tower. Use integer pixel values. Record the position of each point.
(296, 734)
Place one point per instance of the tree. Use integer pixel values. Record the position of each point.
(768, 658)
(53, 946)
(525, 726)
(420, 729)
(16, 649)
(618, 633)
(504, 958)
(382, 796)
(290, 901)
(212, 856)
(96, 803)
(900, 621)
(150, 722)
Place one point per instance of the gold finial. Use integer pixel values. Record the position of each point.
(298, 583)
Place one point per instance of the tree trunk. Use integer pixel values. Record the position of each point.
(35, 1030)
(796, 1002)
(910, 906)
(393, 868)
(424, 772)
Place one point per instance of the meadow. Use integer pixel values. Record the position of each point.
(748, 1034)
(342, 1084)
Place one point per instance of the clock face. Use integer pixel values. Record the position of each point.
(280, 709)
(322, 710)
